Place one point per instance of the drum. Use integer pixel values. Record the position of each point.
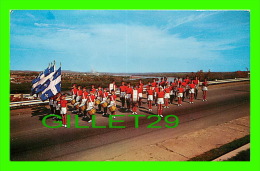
(104, 104)
(82, 108)
(73, 101)
(112, 108)
(97, 102)
(92, 111)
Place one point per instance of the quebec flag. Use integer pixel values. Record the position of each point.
(39, 83)
(52, 86)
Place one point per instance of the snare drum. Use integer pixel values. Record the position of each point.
(73, 101)
(97, 102)
(104, 104)
(112, 108)
(82, 108)
(92, 111)
(77, 107)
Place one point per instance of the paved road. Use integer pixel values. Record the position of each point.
(31, 141)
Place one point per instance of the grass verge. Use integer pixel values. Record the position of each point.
(217, 152)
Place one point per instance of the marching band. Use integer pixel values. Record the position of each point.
(163, 93)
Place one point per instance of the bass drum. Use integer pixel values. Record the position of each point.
(112, 108)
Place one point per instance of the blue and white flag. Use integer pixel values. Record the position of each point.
(54, 85)
(40, 82)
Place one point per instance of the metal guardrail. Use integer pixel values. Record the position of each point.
(31, 102)
(34, 102)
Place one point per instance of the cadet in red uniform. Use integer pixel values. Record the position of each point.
(135, 100)
(74, 92)
(186, 90)
(79, 96)
(141, 83)
(167, 91)
(150, 94)
(204, 90)
(165, 82)
(196, 82)
(180, 91)
(112, 99)
(156, 90)
(104, 100)
(84, 100)
(162, 82)
(172, 94)
(160, 101)
(93, 89)
(140, 94)
(192, 91)
(187, 80)
(122, 89)
(154, 84)
(99, 97)
(63, 111)
(174, 88)
(128, 96)
(112, 86)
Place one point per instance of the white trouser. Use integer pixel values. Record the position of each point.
(160, 101)
(83, 102)
(63, 110)
(150, 98)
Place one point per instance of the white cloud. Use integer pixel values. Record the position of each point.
(120, 44)
(41, 24)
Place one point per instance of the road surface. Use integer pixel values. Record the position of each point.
(31, 141)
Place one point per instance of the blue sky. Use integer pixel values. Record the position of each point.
(130, 41)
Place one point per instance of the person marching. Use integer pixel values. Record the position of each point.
(161, 83)
(192, 91)
(122, 89)
(128, 96)
(63, 111)
(167, 91)
(150, 93)
(112, 104)
(154, 84)
(79, 96)
(91, 103)
(51, 104)
(165, 82)
(135, 100)
(196, 82)
(175, 87)
(204, 89)
(56, 104)
(74, 92)
(112, 86)
(104, 101)
(156, 90)
(83, 101)
(140, 93)
(180, 91)
(172, 92)
(160, 101)
(99, 97)
(185, 86)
